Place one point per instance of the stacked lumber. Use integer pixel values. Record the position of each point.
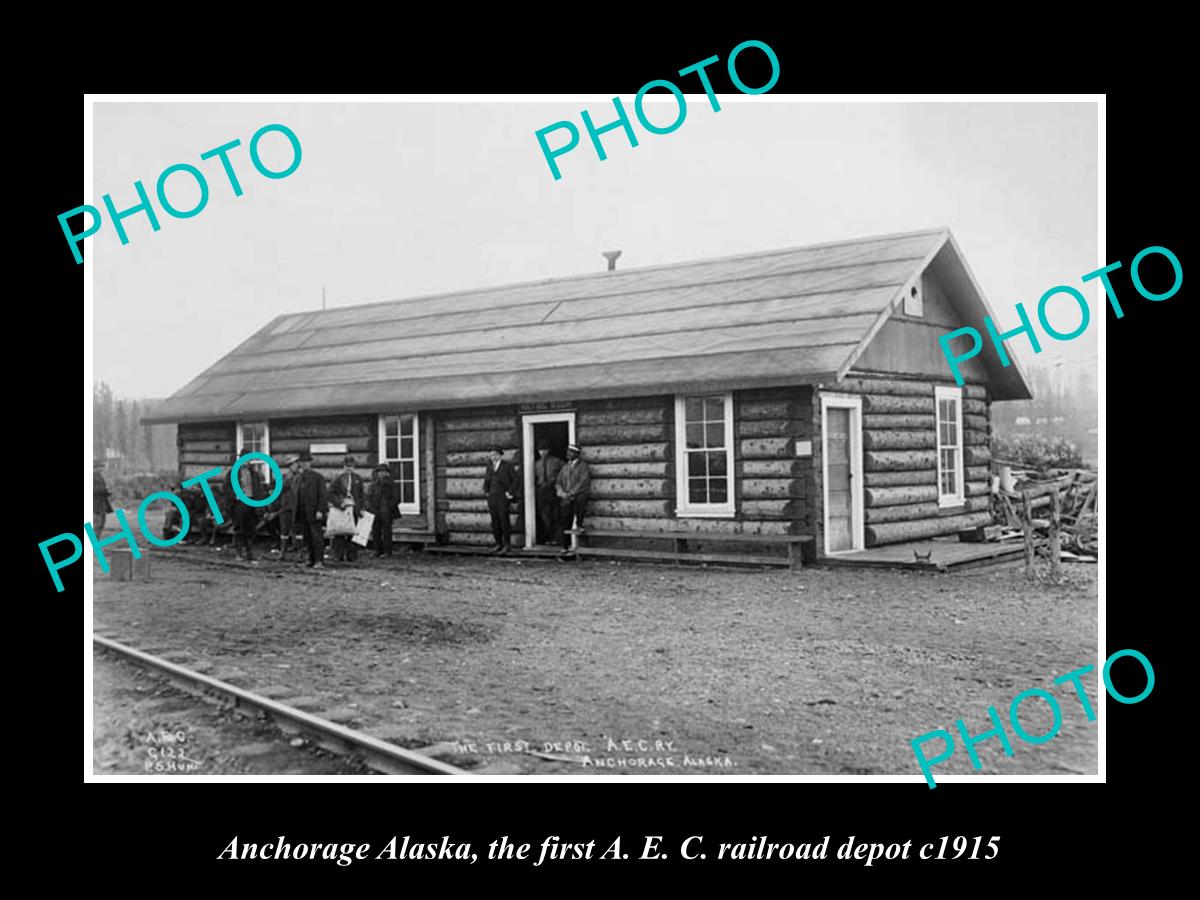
(1062, 507)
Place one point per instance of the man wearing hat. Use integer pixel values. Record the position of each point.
(500, 485)
(347, 492)
(545, 474)
(245, 517)
(312, 501)
(285, 507)
(101, 505)
(381, 502)
(573, 487)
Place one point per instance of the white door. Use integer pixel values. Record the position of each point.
(549, 426)
(841, 430)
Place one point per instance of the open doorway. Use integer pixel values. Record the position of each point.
(557, 430)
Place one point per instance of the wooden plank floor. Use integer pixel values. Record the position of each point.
(745, 559)
(942, 555)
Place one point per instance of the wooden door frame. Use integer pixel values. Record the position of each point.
(528, 455)
(857, 530)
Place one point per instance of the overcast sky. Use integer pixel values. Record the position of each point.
(393, 200)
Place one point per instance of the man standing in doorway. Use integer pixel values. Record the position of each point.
(545, 475)
(312, 501)
(573, 487)
(500, 486)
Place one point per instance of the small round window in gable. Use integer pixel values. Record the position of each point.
(914, 301)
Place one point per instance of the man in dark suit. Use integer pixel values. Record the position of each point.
(381, 502)
(346, 492)
(312, 502)
(101, 505)
(245, 517)
(284, 509)
(500, 485)
(545, 475)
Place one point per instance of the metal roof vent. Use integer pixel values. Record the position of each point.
(612, 256)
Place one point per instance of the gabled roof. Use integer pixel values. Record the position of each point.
(776, 317)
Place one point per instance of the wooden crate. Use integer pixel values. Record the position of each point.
(123, 567)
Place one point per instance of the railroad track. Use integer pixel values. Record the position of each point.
(379, 755)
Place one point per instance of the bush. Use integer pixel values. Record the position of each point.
(124, 487)
(1037, 451)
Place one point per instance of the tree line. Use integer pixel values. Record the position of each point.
(119, 438)
(1065, 405)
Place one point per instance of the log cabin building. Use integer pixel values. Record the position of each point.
(787, 392)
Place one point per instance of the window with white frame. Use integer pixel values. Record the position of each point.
(949, 446)
(399, 446)
(704, 455)
(255, 437)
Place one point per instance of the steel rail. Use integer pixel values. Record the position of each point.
(379, 755)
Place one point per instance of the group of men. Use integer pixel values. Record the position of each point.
(561, 492)
(561, 489)
(303, 506)
(306, 502)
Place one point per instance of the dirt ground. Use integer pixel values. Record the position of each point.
(702, 671)
(143, 726)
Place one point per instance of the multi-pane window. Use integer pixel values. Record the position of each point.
(253, 437)
(704, 455)
(949, 446)
(398, 447)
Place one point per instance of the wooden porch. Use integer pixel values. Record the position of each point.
(937, 555)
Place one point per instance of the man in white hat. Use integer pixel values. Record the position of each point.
(573, 487)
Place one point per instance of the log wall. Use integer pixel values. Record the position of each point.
(774, 486)
(629, 443)
(900, 460)
(359, 433)
(463, 442)
(206, 445)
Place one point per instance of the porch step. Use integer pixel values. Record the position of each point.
(479, 550)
